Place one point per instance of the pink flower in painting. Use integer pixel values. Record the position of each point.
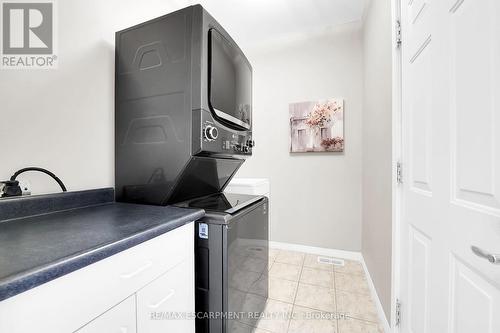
(336, 143)
(322, 113)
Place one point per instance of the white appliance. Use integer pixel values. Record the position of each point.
(251, 186)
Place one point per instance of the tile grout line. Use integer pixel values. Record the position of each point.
(270, 264)
(332, 271)
(335, 289)
(336, 301)
(354, 317)
(296, 291)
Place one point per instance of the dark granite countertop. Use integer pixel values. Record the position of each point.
(45, 237)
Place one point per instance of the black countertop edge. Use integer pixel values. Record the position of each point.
(17, 284)
(21, 207)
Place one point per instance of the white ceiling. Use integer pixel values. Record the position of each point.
(257, 22)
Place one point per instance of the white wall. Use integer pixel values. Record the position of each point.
(377, 148)
(63, 118)
(315, 197)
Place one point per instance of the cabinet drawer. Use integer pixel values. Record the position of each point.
(71, 301)
(119, 319)
(169, 296)
(149, 260)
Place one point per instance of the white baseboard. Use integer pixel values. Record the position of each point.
(380, 310)
(350, 255)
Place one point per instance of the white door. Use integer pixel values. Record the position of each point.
(451, 166)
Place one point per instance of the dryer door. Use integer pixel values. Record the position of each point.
(229, 83)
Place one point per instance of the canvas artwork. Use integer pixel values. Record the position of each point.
(317, 126)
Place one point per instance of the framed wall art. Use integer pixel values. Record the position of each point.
(317, 126)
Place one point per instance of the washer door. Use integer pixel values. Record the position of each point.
(247, 265)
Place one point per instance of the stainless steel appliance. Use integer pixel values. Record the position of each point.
(231, 247)
(183, 108)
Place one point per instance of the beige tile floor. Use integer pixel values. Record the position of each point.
(306, 296)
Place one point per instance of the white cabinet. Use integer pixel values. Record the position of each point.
(101, 293)
(119, 319)
(162, 306)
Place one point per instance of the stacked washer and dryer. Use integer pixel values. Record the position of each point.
(183, 127)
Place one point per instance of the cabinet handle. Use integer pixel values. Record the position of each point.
(493, 258)
(137, 271)
(163, 300)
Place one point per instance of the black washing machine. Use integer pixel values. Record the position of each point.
(232, 250)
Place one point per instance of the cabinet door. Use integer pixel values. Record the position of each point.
(119, 319)
(166, 304)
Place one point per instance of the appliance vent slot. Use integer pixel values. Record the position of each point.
(331, 261)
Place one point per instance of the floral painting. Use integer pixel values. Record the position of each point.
(317, 126)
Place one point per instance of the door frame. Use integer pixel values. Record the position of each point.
(397, 115)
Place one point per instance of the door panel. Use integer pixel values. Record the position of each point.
(417, 8)
(451, 149)
(419, 25)
(474, 101)
(474, 301)
(420, 113)
(418, 281)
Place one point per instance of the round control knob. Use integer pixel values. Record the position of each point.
(250, 143)
(211, 132)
